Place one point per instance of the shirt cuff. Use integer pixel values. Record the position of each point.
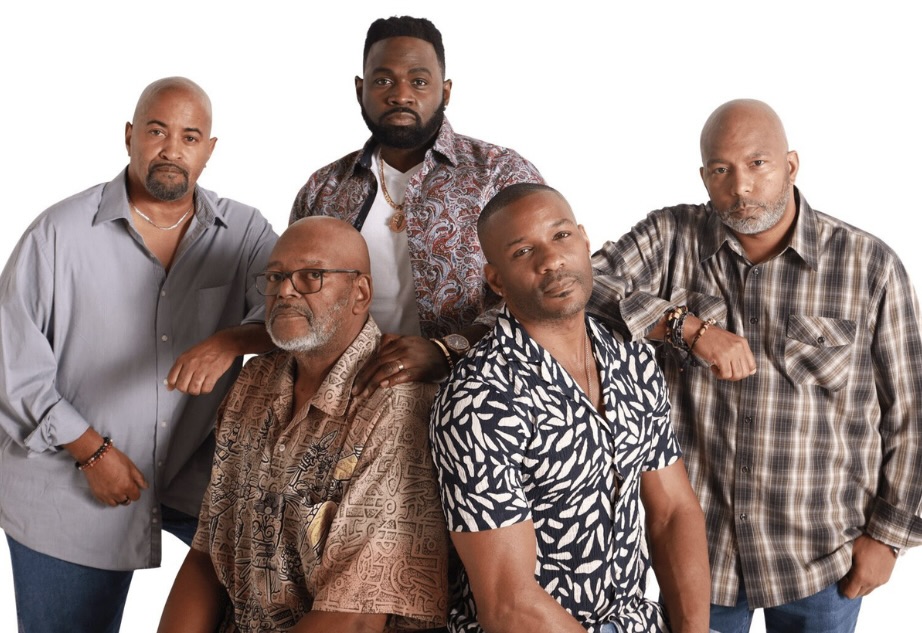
(61, 425)
(894, 527)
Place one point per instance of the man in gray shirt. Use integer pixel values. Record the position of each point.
(121, 310)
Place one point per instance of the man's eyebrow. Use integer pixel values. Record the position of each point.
(187, 129)
(553, 225)
(415, 70)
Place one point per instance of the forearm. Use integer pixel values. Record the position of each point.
(251, 338)
(524, 608)
(197, 599)
(679, 556)
(340, 622)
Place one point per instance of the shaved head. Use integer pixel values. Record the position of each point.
(171, 84)
(329, 241)
(742, 113)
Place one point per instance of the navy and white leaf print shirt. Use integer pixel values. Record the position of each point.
(514, 438)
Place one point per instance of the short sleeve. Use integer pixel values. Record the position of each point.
(387, 549)
(479, 438)
(664, 447)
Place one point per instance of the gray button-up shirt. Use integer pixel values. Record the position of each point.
(90, 325)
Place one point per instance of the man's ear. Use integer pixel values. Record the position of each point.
(359, 82)
(492, 276)
(362, 291)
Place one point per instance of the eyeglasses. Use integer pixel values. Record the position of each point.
(306, 281)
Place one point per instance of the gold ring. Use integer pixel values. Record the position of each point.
(399, 366)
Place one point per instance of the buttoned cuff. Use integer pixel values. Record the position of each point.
(641, 312)
(894, 527)
(62, 424)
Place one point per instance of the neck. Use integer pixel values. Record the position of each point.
(404, 159)
(564, 339)
(160, 211)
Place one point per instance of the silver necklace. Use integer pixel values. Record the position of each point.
(157, 226)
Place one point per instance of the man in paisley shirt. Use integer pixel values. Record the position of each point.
(415, 191)
(322, 513)
(548, 437)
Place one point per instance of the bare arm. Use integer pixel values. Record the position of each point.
(196, 601)
(675, 525)
(113, 479)
(500, 564)
(339, 622)
(198, 368)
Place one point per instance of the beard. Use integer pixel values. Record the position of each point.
(167, 191)
(767, 214)
(322, 328)
(532, 305)
(405, 136)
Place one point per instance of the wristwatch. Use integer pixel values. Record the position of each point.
(457, 345)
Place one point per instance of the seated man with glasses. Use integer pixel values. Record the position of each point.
(323, 511)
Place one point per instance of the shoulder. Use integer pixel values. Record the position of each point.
(474, 152)
(78, 210)
(831, 229)
(336, 171)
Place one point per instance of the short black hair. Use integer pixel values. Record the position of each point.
(507, 196)
(405, 26)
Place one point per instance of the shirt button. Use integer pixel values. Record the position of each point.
(163, 424)
(745, 469)
(160, 464)
(163, 293)
(753, 320)
(154, 510)
(281, 448)
(748, 419)
(155, 520)
(756, 271)
(164, 337)
(744, 517)
(821, 340)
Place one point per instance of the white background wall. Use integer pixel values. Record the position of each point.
(608, 103)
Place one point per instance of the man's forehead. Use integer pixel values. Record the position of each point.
(393, 50)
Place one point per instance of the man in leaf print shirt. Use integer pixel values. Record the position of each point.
(548, 437)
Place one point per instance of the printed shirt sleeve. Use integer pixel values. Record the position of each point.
(664, 447)
(478, 438)
(897, 357)
(32, 411)
(387, 546)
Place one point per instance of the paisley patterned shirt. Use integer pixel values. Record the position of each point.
(442, 204)
(514, 438)
(333, 507)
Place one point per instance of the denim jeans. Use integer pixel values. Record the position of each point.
(825, 612)
(53, 595)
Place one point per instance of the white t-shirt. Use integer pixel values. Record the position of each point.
(394, 304)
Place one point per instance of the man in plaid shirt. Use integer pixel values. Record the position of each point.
(803, 439)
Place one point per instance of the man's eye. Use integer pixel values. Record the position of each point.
(420, 83)
(522, 251)
(274, 278)
(562, 234)
(720, 170)
(758, 163)
(312, 274)
(381, 81)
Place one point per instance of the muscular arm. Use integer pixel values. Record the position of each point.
(500, 564)
(675, 525)
(198, 369)
(196, 601)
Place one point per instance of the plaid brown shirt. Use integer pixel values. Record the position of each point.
(823, 442)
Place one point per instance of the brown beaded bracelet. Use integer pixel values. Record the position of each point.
(704, 328)
(95, 457)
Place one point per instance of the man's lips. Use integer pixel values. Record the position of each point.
(400, 115)
(559, 285)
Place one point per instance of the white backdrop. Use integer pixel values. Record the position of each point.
(607, 102)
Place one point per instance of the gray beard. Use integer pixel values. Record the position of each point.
(764, 219)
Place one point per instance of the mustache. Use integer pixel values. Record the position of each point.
(165, 163)
(279, 308)
(556, 277)
(400, 110)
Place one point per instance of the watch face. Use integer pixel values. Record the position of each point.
(457, 343)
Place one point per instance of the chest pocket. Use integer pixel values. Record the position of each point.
(818, 350)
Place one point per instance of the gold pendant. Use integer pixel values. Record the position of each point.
(397, 222)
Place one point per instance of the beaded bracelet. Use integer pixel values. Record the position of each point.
(95, 457)
(675, 322)
(704, 328)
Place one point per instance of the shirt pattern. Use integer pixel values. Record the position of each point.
(823, 442)
(333, 507)
(515, 439)
(91, 325)
(442, 204)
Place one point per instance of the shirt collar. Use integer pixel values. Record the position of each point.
(114, 203)
(445, 145)
(335, 392)
(803, 240)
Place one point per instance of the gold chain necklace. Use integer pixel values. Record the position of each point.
(157, 226)
(397, 222)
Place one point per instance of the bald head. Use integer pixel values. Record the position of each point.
(174, 85)
(328, 242)
(742, 116)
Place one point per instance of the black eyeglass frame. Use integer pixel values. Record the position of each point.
(262, 280)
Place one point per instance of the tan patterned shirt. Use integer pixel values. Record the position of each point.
(334, 507)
